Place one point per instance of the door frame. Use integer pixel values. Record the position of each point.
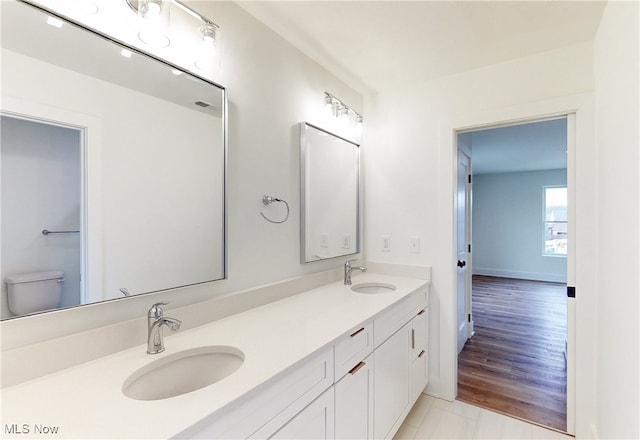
(570, 116)
(89, 128)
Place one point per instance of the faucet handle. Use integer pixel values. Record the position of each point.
(156, 311)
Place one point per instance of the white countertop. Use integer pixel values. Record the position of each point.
(86, 401)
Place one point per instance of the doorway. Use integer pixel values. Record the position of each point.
(42, 203)
(518, 249)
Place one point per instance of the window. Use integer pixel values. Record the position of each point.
(555, 220)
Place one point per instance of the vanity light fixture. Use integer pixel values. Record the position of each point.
(343, 113)
(154, 15)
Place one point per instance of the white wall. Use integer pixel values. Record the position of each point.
(617, 93)
(508, 232)
(40, 190)
(409, 159)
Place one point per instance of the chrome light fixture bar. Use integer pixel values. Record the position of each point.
(209, 29)
(133, 4)
(339, 108)
(345, 116)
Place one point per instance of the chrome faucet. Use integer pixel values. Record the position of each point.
(155, 322)
(348, 269)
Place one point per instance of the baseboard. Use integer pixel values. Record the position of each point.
(536, 276)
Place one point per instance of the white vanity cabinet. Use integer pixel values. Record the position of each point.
(360, 387)
(400, 369)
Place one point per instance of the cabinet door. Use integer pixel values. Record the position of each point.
(316, 421)
(391, 381)
(354, 402)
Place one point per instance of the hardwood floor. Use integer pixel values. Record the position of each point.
(515, 361)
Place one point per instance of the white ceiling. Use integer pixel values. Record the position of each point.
(533, 146)
(372, 45)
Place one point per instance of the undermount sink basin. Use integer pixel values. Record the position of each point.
(373, 288)
(183, 372)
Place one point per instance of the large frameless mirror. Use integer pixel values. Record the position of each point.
(330, 170)
(113, 168)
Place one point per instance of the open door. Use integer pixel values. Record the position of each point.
(463, 243)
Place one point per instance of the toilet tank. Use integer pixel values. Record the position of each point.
(34, 292)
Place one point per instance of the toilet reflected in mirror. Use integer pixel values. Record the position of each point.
(34, 292)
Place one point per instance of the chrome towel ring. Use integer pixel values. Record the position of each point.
(267, 200)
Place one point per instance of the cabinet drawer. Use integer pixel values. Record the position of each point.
(353, 348)
(419, 375)
(398, 315)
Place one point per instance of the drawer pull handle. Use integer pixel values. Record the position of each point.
(421, 312)
(356, 332)
(413, 338)
(421, 354)
(355, 369)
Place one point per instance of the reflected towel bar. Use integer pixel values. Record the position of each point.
(47, 232)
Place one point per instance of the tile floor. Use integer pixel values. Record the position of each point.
(433, 418)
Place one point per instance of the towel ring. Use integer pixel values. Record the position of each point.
(267, 200)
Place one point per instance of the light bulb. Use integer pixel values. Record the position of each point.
(153, 11)
(207, 49)
(154, 23)
(358, 126)
(55, 22)
(328, 105)
(81, 8)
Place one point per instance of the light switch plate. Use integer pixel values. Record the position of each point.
(414, 245)
(386, 243)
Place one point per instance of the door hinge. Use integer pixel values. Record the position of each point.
(571, 291)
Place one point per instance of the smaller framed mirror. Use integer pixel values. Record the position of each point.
(330, 195)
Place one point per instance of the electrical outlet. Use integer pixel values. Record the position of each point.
(386, 243)
(324, 240)
(414, 245)
(346, 241)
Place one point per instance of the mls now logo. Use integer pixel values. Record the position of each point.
(25, 428)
